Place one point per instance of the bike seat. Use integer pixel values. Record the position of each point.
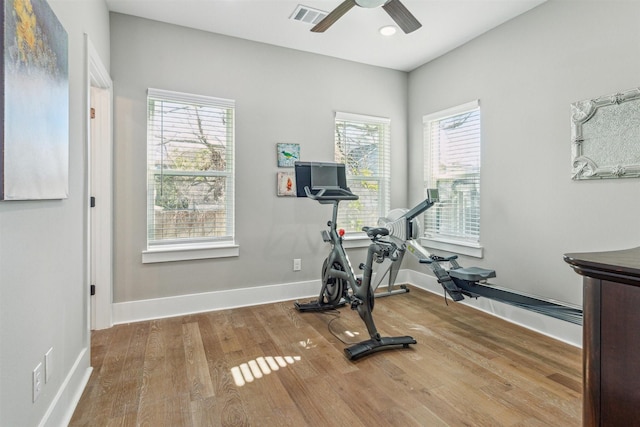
(374, 232)
(472, 274)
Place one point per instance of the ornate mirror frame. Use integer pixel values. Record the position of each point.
(605, 134)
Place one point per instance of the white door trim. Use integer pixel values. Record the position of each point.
(99, 185)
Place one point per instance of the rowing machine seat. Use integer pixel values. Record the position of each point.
(472, 274)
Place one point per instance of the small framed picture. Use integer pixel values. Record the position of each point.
(287, 154)
(286, 184)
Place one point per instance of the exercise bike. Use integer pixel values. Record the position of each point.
(340, 285)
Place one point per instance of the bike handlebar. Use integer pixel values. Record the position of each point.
(320, 195)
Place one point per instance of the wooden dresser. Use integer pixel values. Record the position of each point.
(611, 336)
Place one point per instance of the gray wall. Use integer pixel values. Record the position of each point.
(526, 73)
(281, 95)
(43, 292)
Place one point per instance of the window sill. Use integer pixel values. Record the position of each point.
(459, 248)
(355, 240)
(189, 252)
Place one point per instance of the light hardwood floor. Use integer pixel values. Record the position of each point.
(468, 369)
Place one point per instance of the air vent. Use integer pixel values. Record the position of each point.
(308, 15)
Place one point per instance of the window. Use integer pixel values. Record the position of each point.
(452, 165)
(190, 165)
(363, 144)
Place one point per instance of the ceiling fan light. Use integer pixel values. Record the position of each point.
(370, 3)
(388, 30)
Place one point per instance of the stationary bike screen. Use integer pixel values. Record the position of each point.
(319, 175)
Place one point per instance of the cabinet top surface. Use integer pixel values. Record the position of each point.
(626, 262)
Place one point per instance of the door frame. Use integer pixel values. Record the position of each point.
(99, 179)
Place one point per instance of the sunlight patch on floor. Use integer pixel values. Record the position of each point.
(351, 334)
(259, 367)
(308, 344)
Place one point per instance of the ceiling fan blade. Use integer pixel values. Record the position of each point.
(332, 17)
(402, 16)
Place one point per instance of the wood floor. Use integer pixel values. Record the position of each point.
(468, 369)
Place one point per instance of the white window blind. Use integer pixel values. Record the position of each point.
(452, 165)
(363, 144)
(190, 165)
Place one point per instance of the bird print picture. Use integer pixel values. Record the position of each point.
(288, 154)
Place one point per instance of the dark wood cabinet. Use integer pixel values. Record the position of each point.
(611, 336)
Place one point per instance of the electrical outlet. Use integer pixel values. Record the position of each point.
(48, 365)
(297, 264)
(37, 381)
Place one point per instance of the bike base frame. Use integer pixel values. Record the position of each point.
(317, 306)
(373, 345)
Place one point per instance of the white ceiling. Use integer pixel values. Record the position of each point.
(446, 24)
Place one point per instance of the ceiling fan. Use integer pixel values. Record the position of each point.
(398, 12)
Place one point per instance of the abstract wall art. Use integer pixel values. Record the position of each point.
(286, 184)
(34, 137)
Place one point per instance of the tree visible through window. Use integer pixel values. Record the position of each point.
(190, 168)
(362, 143)
(452, 165)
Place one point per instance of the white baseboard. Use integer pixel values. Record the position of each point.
(64, 403)
(158, 308)
(561, 330)
(135, 311)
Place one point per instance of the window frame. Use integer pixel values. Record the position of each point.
(444, 242)
(384, 172)
(183, 249)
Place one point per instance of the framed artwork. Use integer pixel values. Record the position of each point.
(604, 136)
(288, 154)
(286, 184)
(34, 139)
